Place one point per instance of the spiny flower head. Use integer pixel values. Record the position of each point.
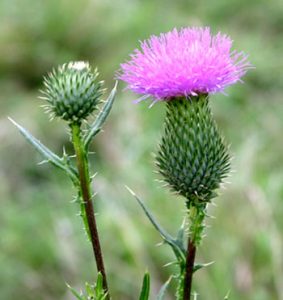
(192, 156)
(72, 91)
(182, 63)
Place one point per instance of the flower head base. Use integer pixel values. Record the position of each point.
(184, 63)
(72, 91)
(192, 156)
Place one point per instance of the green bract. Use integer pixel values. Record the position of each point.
(192, 156)
(72, 91)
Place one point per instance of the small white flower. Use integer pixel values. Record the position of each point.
(78, 65)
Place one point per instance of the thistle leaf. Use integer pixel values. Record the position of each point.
(101, 118)
(75, 293)
(99, 291)
(95, 292)
(181, 236)
(89, 289)
(179, 251)
(47, 153)
(163, 289)
(144, 295)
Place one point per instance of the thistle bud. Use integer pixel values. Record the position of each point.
(72, 91)
(192, 156)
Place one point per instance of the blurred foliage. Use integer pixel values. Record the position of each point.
(41, 239)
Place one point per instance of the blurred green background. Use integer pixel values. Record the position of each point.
(42, 244)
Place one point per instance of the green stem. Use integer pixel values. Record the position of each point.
(180, 286)
(196, 216)
(85, 190)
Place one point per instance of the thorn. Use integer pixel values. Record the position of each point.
(160, 244)
(93, 195)
(116, 85)
(11, 120)
(170, 264)
(75, 200)
(195, 295)
(227, 295)
(43, 162)
(131, 191)
(212, 217)
(184, 223)
(64, 152)
(208, 264)
(93, 176)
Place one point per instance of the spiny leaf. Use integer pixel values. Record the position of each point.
(144, 295)
(89, 289)
(99, 291)
(179, 252)
(47, 153)
(95, 292)
(181, 235)
(163, 289)
(101, 118)
(75, 293)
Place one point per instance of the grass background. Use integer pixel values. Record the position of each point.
(42, 244)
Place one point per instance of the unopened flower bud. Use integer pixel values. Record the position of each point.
(72, 91)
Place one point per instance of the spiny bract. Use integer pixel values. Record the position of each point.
(72, 91)
(192, 156)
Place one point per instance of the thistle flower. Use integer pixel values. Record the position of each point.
(183, 68)
(72, 91)
(183, 63)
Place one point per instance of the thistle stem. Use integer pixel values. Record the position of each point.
(196, 217)
(191, 253)
(85, 190)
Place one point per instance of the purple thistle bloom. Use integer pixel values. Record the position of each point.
(189, 62)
